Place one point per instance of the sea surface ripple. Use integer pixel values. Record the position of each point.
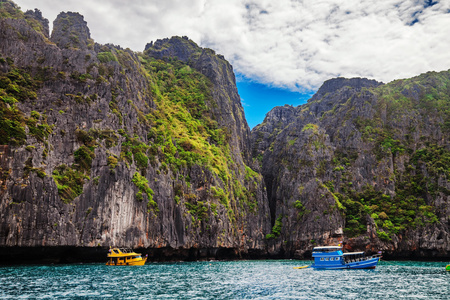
(265, 279)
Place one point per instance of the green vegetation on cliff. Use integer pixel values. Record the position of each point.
(69, 181)
(368, 153)
(142, 184)
(156, 134)
(183, 128)
(427, 160)
(15, 86)
(183, 133)
(153, 124)
(276, 229)
(8, 9)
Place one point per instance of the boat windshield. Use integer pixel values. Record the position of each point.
(121, 250)
(126, 250)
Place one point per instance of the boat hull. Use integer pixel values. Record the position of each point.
(364, 264)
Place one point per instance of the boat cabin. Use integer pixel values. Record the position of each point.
(121, 250)
(354, 256)
(124, 257)
(125, 260)
(328, 256)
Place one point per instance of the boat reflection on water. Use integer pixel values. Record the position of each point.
(125, 257)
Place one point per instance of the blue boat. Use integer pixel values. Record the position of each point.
(332, 257)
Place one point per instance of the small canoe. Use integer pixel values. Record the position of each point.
(447, 268)
(302, 267)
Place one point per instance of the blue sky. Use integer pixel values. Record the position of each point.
(258, 99)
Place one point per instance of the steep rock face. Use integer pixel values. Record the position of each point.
(182, 49)
(107, 147)
(37, 15)
(335, 84)
(70, 30)
(358, 163)
(101, 146)
(229, 113)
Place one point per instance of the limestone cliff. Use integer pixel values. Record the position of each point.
(363, 163)
(107, 147)
(101, 146)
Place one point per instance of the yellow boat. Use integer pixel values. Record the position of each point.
(125, 257)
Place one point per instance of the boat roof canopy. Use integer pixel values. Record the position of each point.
(121, 252)
(327, 248)
(354, 253)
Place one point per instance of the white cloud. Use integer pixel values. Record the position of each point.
(287, 43)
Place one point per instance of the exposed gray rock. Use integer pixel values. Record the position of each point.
(335, 84)
(71, 31)
(328, 167)
(104, 89)
(318, 156)
(37, 15)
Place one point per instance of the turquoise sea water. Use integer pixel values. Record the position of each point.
(268, 279)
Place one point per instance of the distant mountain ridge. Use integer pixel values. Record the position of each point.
(102, 146)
